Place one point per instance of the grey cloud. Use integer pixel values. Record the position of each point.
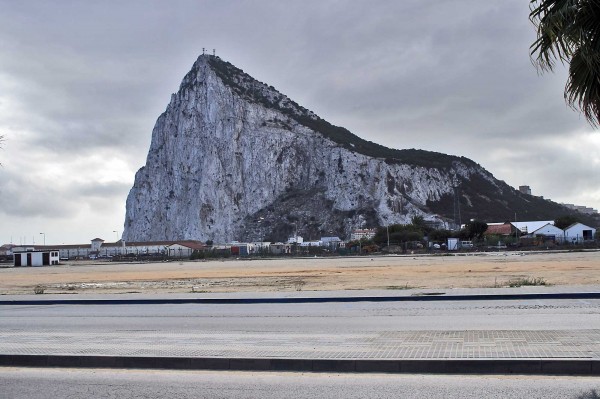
(468, 76)
(24, 197)
(59, 187)
(108, 190)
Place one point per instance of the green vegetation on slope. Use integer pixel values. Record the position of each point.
(255, 91)
(479, 198)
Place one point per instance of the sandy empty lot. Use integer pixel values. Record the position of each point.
(383, 272)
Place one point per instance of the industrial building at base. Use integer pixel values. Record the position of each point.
(575, 233)
(99, 249)
(40, 255)
(36, 258)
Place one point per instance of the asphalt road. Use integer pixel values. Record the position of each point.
(327, 317)
(69, 383)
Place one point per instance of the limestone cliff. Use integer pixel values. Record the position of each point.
(233, 159)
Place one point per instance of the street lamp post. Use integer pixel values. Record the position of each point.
(44, 234)
(116, 247)
(387, 229)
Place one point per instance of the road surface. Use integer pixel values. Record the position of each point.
(69, 383)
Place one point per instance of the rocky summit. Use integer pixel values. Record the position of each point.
(231, 158)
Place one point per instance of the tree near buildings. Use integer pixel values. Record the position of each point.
(418, 221)
(569, 31)
(398, 234)
(565, 221)
(439, 235)
(475, 229)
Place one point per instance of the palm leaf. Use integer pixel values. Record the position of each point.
(568, 31)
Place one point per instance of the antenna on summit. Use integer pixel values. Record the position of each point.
(203, 50)
(213, 52)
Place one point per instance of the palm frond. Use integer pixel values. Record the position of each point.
(582, 90)
(568, 31)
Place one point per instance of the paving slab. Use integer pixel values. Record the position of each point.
(377, 345)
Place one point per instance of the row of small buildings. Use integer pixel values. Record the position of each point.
(576, 233)
(41, 255)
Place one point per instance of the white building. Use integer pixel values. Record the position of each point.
(549, 232)
(242, 248)
(453, 244)
(331, 242)
(96, 244)
(360, 234)
(579, 232)
(279, 248)
(183, 249)
(262, 246)
(295, 240)
(312, 244)
(36, 258)
(529, 227)
(100, 249)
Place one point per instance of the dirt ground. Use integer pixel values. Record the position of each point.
(306, 274)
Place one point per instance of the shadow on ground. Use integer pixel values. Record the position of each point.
(593, 394)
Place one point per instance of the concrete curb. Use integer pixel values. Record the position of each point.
(584, 367)
(223, 301)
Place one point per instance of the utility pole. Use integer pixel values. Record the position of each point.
(387, 228)
(456, 207)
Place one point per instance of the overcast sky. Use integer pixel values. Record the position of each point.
(82, 84)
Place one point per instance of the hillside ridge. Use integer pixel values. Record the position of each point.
(231, 158)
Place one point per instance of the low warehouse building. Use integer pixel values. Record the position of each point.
(36, 258)
(579, 232)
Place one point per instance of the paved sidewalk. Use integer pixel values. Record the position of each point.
(573, 351)
(483, 344)
(463, 352)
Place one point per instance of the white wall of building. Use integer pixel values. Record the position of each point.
(295, 240)
(575, 232)
(531, 226)
(312, 244)
(37, 258)
(362, 233)
(550, 231)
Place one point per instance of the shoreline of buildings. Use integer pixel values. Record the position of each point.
(40, 255)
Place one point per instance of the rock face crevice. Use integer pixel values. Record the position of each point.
(233, 159)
